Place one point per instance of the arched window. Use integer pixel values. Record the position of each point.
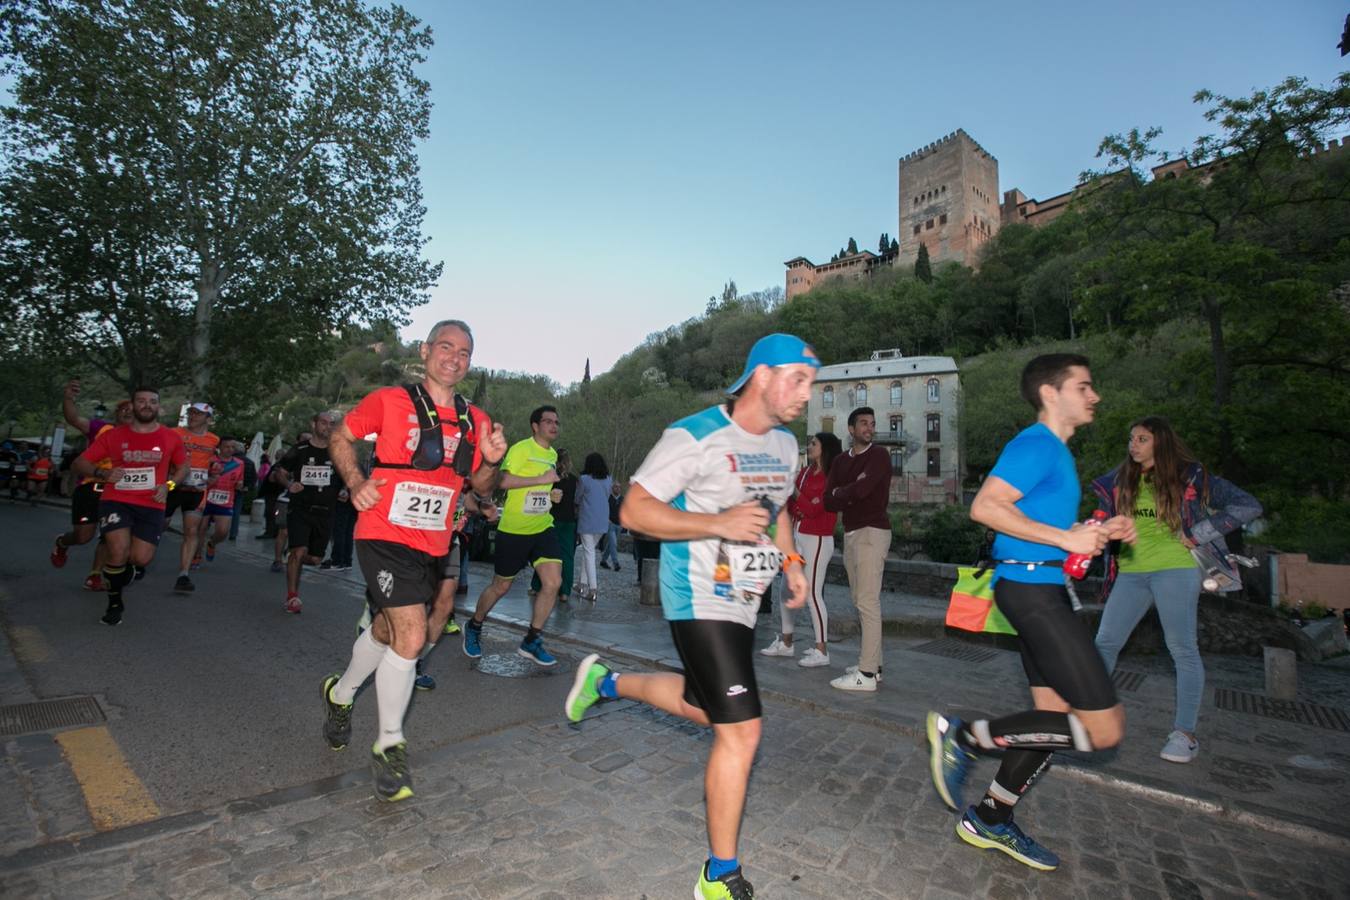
(897, 394)
(933, 390)
(934, 428)
(827, 397)
(860, 392)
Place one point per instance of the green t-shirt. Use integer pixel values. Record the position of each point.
(1158, 548)
(526, 510)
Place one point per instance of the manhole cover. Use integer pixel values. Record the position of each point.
(48, 715)
(953, 649)
(1127, 681)
(1285, 710)
(513, 665)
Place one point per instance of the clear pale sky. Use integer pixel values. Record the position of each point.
(597, 170)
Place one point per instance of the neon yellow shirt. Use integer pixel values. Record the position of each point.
(526, 510)
(1158, 548)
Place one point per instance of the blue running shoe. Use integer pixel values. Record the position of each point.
(534, 650)
(423, 681)
(1006, 837)
(949, 761)
(472, 648)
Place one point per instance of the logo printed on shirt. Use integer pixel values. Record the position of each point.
(736, 690)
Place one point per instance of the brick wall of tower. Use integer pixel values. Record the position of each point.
(948, 200)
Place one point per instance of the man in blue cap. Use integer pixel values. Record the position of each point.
(713, 490)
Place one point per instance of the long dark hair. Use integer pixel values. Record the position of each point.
(595, 466)
(830, 447)
(1171, 459)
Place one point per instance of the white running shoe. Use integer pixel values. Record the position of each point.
(813, 658)
(854, 681)
(1179, 748)
(778, 648)
(852, 670)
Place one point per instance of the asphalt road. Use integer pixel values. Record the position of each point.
(215, 695)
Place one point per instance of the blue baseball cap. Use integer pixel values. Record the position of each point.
(776, 350)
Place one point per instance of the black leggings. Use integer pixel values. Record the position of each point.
(1057, 647)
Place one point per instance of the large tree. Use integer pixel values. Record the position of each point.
(203, 191)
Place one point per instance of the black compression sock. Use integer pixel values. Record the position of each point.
(532, 634)
(117, 577)
(1034, 729)
(1017, 773)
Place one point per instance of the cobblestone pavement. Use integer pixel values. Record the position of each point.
(613, 808)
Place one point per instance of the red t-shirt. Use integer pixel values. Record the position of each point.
(146, 459)
(228, 477)
(807, 506)
(416, 507)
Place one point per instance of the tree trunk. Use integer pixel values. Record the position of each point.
(1223, 385)
(207, 292)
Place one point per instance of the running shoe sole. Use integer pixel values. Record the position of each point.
(536, 660)
(935, 738)
(578, 684)
(985, 843)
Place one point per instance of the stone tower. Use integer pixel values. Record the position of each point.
(949, 200)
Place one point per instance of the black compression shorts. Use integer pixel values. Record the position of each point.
(514, 551)
(84, 503)
(1057, 647)
(186, 499)
(719, 668)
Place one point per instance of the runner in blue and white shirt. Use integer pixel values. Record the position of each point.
(714, 490)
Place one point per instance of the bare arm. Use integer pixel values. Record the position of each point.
(511, 482)
(343, 454)
(82, 467)
(68, 407)
(646, 514)
(994, 507)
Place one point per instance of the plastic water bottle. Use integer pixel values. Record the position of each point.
(1076, 564)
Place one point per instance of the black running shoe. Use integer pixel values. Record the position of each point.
(184, 585)
(393, 781)
(114, 614)
(337, 721)
(139, 572)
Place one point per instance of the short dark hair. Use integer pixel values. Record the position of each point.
(860, 411)
(145, 389)
(1051, 369)
(538, 415)
(595, 466)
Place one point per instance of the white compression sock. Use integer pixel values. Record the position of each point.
(366, 655)
(426, 648)
(394, 679)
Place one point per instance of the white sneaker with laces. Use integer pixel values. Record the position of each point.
(1179, 748)
(854, 681)
(778, 648)
(813, 658)
(851, 670)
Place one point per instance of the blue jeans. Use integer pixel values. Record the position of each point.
(1176, 593)
(611, 554)
(238, 511)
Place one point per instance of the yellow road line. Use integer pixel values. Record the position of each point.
(29, 645)
(113, 793)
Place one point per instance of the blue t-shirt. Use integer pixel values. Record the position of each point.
(1040, 466)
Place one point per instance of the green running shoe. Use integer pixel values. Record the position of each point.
(393, 781)
(337, 721)
(585, 687)
(451, 627)
(731, 886)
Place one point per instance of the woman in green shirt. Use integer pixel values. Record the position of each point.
(1176, 505)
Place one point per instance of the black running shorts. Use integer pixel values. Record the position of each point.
(515, 551)
(1057, 647)
(450, 561)
(308, 528)
(146, 522)
(398, 575)
(84, 503)
(719, 668)
(189, 501)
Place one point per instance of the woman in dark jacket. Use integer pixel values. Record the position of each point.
(1177, 507)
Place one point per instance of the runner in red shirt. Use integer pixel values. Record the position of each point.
(424, 454)
(147, 461)
(190, 496)
(223, 479)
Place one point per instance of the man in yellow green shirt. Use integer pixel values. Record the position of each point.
(525, 535)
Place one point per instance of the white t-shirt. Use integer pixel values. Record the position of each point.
(706, 463)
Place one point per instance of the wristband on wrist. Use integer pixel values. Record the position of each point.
(794, 558)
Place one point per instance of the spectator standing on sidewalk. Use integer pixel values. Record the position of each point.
(813, 534)
(859, 487)
(612, 537)
(1176, 505)
(592, 518)
(245, 488)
